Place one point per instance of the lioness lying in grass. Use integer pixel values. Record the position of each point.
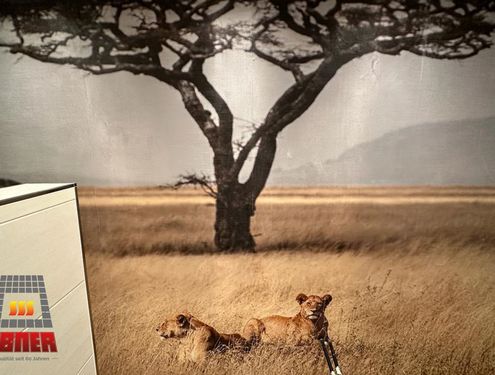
(202, 337)
(309, 324)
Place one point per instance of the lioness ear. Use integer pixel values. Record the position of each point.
(182, 319)
(301, 298)
(327, 298)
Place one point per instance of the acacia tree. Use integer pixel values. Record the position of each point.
(171, 41)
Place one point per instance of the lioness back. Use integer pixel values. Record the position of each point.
(281, 329)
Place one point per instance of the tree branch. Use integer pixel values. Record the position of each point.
(215, 99)
(292, 104)
(198, 112)
(123, 63)
(203, 181)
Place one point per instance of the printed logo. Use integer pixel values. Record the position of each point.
(25, 320)
(21, 308)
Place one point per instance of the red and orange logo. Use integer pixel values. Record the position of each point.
(21, 308)
(24, 305)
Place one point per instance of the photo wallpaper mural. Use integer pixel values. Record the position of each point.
(315, 178)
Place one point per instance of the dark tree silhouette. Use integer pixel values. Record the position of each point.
(171, 40)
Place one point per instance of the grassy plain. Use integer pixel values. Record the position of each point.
(412, 272)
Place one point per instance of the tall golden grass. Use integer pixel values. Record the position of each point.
(413, 282)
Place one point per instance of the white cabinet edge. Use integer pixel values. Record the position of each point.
(35, 204)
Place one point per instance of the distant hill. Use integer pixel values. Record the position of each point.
(453, 153)
(4, 182)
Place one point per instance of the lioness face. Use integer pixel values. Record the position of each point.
(313, 307)
(177, 326)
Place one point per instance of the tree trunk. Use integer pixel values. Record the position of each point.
(234, 210)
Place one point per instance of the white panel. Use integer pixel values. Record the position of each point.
(45, 243)
(18, 191)
(72, 328)
(29, 206)
(40, 236)
(89, 367)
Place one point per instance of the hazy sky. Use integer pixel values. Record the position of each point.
(58, 123)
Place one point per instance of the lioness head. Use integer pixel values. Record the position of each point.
(313, 307)
(178, 326)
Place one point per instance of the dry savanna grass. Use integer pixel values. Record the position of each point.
(411, 272)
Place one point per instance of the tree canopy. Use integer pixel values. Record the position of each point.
(170, 40)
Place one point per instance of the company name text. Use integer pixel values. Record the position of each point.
(27, 342)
